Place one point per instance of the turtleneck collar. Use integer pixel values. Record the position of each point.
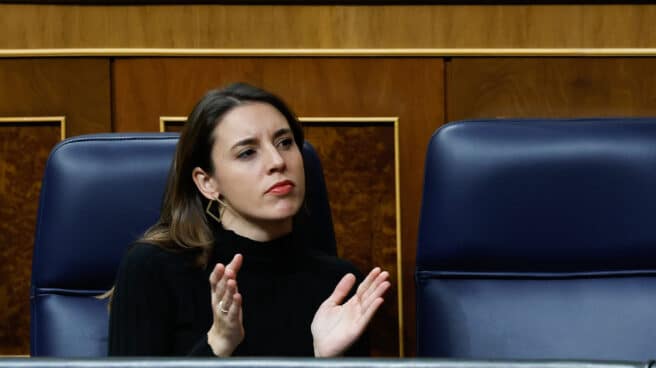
(256, 254)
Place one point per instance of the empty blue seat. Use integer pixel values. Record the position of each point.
(537, 240)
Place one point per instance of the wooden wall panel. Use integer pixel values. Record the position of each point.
(146, 89)
(77, 89)
(550, 87)
(619, 26)
(30, 26)
(363, 203)
(23, 153)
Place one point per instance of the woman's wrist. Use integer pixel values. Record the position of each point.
(220, 347)
(320, 354)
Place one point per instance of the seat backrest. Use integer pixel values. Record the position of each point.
(537, 240)
(100, 193)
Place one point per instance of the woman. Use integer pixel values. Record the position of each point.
(222, 271)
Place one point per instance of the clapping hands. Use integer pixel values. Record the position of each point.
(337, 326)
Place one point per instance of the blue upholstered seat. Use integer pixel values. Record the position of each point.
(100, 193)
(537, 239)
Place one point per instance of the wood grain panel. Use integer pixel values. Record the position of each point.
(316, 26)
(362, 194)
(550, 87)
(23, 153)
(75, 88)
(146, 89)
(619, 25)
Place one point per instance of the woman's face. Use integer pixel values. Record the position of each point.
(258, 165)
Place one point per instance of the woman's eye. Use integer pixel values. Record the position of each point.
(286, 142)
(246, 153)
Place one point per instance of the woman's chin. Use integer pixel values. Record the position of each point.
(284, 214)
(285, 210)
(281, 212)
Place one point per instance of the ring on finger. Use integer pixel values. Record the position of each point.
(220, 307)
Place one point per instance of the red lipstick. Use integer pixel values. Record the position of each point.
(281, 187)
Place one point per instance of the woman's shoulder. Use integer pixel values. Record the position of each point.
(146, 264)
(148, 256)
(143, 252)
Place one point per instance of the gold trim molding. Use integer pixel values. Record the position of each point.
(408, 52)
(384, 121)
(61, 120)
(164, 120)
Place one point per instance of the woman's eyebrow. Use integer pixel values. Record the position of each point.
(245, 142)
(251, 140)
(281, 132)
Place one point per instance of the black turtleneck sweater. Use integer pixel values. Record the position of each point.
(161, 304)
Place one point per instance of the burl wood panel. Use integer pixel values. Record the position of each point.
(75, 88)
(358, 164)
(409, 88)
(23, 153)
(550, 87)
(314, 26)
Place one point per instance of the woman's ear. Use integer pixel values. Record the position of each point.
(205, 183)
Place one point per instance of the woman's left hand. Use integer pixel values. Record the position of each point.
(336, 326)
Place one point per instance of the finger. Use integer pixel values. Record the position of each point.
(342, 289)
(382, 277)
(364, 285)
(215, 277)
(380, 290)
(231, 289)
(216, 274)
(222, 286)
(369, 312)
(235, 264)
(221, 277)
(234, 313)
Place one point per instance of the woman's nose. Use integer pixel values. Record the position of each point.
(275, 160)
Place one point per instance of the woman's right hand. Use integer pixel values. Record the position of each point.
(227, 330)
